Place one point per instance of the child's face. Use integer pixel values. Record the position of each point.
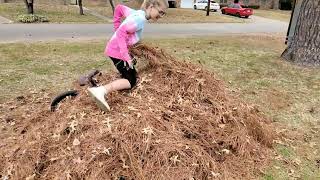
(156, 12)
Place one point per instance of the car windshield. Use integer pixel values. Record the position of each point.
(237, 6)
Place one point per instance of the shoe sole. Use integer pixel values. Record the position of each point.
(100, 104)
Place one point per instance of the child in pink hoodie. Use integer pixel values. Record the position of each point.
(126, 34)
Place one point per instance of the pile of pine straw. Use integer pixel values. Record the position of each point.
(178, 123)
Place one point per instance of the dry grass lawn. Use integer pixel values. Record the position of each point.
(287, 94)
(274, 14)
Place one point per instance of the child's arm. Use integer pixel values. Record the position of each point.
(120, 12)
(128, 27)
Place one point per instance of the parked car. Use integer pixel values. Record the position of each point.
(236, 9)
(203, 4)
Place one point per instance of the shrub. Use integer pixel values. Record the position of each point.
(31, 18)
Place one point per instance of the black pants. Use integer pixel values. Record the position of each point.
(125, 71)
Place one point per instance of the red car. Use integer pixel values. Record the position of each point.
(236, 9)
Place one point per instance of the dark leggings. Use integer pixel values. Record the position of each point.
(126, 73)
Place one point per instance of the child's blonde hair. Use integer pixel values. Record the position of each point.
(147, 3)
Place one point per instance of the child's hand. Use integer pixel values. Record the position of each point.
(130, 64)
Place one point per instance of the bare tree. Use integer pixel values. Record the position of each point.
(80, 7)
(29, 5)
(304, 48)
(208, 7)
(112, 5)
(275, 4)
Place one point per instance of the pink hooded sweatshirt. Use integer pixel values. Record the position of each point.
(126, 33)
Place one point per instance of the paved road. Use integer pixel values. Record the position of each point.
(38, 32)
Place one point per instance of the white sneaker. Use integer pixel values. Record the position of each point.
(97, 93)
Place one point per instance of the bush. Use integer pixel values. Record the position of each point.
(31, 18)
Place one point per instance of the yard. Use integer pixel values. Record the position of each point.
(55, 14)
(70, 14)
(287, 94)
(274, 14)
(177, 15)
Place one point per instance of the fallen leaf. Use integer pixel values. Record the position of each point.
(132, 108)
(69, 177)
(54, 159)
(215, 174)
(107, 151)
(100, 164)
(148, 130)
(222, 126)
(78, 160)
(226, 151)
(194, 164)
(291, 172)
(12, 107)
(107, 122)
(73, 125)
(56, 136)
(31, 177)
(175, 159)
(76, 142)
(297, 161)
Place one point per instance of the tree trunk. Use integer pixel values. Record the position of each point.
(275, 4)
(304, 49)
(112, 5)
(29, 5)
(80, 7)
(208, 7)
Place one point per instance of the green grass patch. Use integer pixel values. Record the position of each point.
(46, 65)
(285, 151)
(54, 13)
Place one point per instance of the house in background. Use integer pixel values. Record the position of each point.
(188, 4)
